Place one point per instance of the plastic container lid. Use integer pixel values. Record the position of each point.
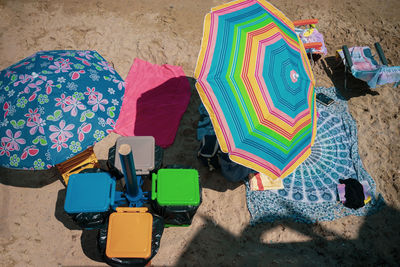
(129, 233)
(176, 187)
(89, 192)
(142, 150)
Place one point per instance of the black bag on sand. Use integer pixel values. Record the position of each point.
(157, 231)
(354, 193)
(208, 152)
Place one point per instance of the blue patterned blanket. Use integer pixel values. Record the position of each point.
(310, 192)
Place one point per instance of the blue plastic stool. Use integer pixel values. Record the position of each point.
(89, 198)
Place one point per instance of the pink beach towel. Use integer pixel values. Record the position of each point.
(154, 102)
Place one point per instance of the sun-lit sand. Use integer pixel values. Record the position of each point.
(35, 231)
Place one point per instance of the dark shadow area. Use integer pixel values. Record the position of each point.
(376, 244)
(60, 213)
(336, 72)
(103, 164)
(214, 180)
(89, 245)
(159, 110)
(192, 82)
(28, 178)
(313, 58)
(88, 237)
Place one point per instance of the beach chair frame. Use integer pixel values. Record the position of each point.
(348, 62)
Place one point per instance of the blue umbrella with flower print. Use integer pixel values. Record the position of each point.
(54, 104)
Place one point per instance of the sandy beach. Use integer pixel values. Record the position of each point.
(35, 230)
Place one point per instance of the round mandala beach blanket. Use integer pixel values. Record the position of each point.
(310, 192)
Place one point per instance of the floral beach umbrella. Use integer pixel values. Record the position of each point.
(255, 80)
(54, 104)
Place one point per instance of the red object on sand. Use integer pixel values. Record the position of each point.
(305, 22)
(316, 45)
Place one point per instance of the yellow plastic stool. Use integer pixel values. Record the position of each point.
(129, 233)
(84, 160)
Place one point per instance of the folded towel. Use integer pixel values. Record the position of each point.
(367, 69)
(260, 181)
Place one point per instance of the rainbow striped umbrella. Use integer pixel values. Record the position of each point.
(255, 80)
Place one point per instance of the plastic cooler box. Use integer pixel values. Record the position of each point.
(129, 233)
(89, 198)
(132, 237)
(176, 195)
(142, 150)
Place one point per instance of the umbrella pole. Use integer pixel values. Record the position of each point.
(128, 168)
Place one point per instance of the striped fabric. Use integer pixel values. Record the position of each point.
(255, 80)
(260, 182)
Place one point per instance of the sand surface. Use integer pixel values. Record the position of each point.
(35, 231)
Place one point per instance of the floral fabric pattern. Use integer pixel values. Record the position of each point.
(55, 104)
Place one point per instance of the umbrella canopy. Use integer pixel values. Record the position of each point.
(54, 104)
(255, 80)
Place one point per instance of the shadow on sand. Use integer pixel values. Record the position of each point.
(28, 178)
(355, 87)
(376, 245)
(88, 237)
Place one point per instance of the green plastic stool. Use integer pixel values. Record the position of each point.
(176, 195)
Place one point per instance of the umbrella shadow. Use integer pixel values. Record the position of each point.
(336, 72)
(214, 180)
(161, 105)
(185, 148)
(28, 178)
(376, 244)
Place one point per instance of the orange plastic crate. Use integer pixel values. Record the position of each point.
(129, 233)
